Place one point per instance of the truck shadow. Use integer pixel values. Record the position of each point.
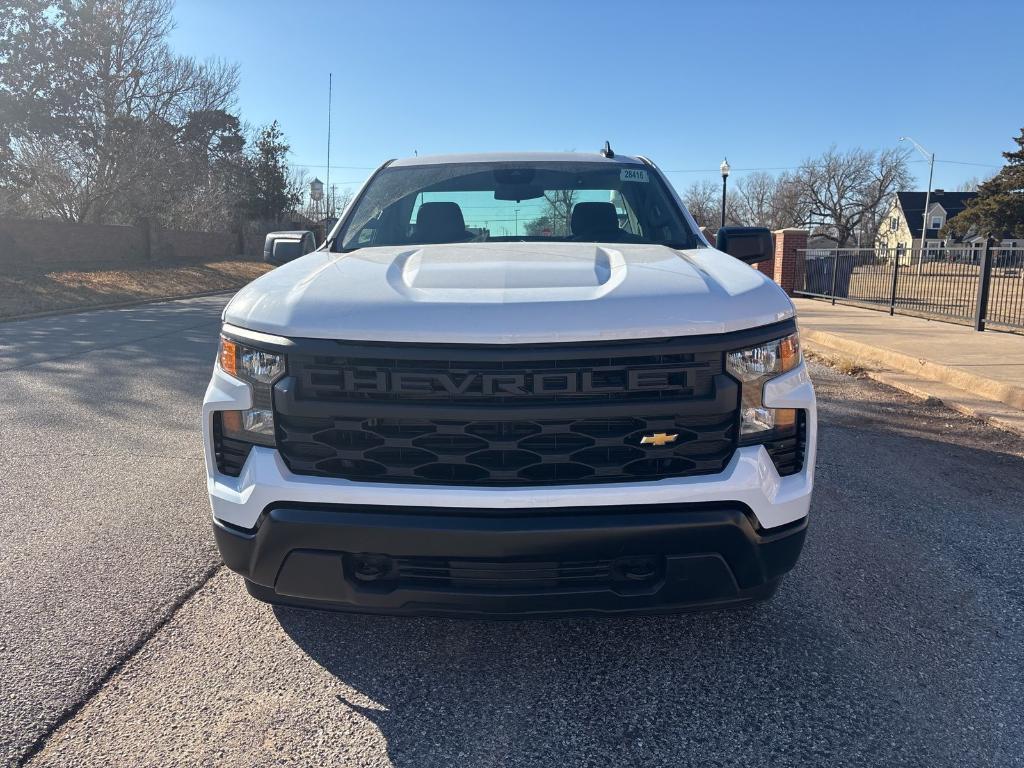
(872, 652)
(543, 692)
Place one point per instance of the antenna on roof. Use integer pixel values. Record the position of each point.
(607, 150)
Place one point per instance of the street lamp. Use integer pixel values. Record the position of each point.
(930, 157)
(724, 168)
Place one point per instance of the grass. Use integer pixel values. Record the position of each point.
(841, 364)
(26, 293)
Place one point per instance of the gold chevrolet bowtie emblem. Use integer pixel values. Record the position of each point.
(658, 438)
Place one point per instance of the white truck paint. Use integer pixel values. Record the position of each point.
(495, 294)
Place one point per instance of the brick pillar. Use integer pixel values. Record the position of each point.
(788, 264)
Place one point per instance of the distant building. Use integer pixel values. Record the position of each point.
(901, 227)
(819, 242)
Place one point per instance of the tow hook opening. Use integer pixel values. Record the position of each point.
(373, 568)
(637, 569)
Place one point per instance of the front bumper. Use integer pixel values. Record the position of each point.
(510, 563)
(713, 539)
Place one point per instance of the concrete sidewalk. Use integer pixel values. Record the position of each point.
(977, 373)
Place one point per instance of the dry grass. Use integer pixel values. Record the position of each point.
(840, 363)
(32, 292)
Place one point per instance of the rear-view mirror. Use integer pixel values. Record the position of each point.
(282, 247)
(518, 192)
(749, 244)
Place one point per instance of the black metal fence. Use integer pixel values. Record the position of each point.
(981, 285)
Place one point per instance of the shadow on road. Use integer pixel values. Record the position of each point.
(123, 367)
(556, 692)
(895, 641)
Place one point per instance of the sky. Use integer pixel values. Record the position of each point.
(766, 84)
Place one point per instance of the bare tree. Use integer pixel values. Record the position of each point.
(848, 192)
(559, 211)
(790, 207)
(703, 200)
(126, 147)
(754, 203)
(764, 200)
(342, 201)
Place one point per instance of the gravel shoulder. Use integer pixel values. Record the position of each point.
(897, 641)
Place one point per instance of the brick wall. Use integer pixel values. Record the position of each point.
(788, 264)
(31, 246)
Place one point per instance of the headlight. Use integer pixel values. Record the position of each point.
(753, 367)
(254, 365)
(260, 369)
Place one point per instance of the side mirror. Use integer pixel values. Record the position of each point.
(282, 247)
(749, 244)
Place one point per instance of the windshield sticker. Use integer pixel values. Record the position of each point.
(633, 174)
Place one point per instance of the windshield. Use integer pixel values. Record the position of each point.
(501, 202)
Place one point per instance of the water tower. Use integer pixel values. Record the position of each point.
(316, 197)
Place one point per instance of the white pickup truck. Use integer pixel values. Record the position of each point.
(513, 385)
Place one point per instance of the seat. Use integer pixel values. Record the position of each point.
(440, 222)
(595, 222)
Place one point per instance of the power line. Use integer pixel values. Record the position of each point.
(798, 167)
(341, 167)
(672, 170)
(964, 162)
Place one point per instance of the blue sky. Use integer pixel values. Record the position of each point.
(765, 83)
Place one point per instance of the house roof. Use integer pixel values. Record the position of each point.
(912, 205)
(821, 242)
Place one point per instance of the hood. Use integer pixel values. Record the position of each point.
(509, 293)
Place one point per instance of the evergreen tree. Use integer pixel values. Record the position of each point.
(271, 196)
(998, 210)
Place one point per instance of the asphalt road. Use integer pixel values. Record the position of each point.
(103, 513)
(898, 640)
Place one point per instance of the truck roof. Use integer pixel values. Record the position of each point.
(517, 157)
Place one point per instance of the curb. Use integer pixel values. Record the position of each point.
(871, 356)
(998, 415)
(994, 412)
(116, 305)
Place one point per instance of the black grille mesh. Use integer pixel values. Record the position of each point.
(506, 452)
(621, 574)
(442, 433)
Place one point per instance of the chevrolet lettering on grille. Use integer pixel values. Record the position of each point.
(469, 384)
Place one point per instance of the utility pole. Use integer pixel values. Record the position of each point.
(330, 189)
(930, 157)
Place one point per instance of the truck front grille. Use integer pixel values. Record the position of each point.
(622, 574)
(532, 452)
(507, 415)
